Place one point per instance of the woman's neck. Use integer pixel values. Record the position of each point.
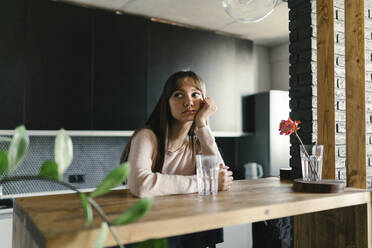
(178, 134)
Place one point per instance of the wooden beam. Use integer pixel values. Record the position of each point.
(351, 226)
(355, 94)
(326, 86)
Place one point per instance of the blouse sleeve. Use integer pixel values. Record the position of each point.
(208, 143)
(142, 182)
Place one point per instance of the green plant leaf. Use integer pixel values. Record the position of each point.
(49, 170)
(113, 179)
(153, 243)
(102, 235)
(135, 212)
(63, 151)
(5, 139)
(87, 209)
(18, 148)
(3, 161)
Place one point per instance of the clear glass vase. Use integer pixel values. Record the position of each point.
(311, 162)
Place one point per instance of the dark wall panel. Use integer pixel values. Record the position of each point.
(59, 60)
(119, 71)
(216, 58)
(66, 66)
(12, 67)
(173, 48)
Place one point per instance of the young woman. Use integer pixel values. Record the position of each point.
(162, 152)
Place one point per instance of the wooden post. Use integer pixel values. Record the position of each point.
(326, 86)
(341, 228)
(355, 94)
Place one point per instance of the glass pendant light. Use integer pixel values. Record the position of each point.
(249, 11)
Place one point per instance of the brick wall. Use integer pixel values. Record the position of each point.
(368, 58)
(303, 80)
(340, 96)
(302, 71)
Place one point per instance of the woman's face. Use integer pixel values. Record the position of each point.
(185, 102)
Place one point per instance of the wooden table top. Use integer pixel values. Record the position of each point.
(58, 220)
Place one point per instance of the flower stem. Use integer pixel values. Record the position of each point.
(307, 155)
(72, 187)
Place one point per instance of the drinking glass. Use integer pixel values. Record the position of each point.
(207, 169)
(311, 162)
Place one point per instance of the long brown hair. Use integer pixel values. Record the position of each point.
(160, 118)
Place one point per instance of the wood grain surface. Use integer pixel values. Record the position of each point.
(342, 228)
(355, 95)
(326, 86)
(58, 221)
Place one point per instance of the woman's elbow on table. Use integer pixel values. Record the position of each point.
(139, 189)
(139, 192)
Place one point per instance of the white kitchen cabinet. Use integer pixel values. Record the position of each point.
(6, 226)
(238, 236)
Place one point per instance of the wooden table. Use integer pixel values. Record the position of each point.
(58, 220)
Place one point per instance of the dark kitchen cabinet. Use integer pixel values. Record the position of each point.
(120, 71)
(58, 91)
(12, 66)
(64, 66)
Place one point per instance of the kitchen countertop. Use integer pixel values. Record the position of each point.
(6, 201)
(56, 192)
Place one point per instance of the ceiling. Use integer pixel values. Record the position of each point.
(202, 14)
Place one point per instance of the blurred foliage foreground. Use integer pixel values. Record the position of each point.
(52, 170)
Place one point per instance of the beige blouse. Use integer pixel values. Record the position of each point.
(178, 173)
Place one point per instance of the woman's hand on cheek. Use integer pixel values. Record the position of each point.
(207, 108)
(225, 178)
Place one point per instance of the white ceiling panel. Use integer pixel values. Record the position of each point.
(203, 14)
(270, 31)
(207, 14)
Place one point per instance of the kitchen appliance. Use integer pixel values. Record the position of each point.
(253, 170)
(262, 114)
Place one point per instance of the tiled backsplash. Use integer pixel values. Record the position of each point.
(94, 158)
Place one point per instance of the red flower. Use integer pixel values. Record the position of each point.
(288, 127)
